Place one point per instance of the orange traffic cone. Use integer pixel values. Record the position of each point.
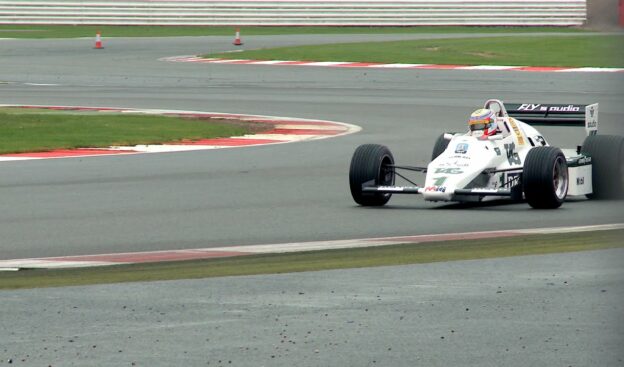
(237, 40)
(98, 40)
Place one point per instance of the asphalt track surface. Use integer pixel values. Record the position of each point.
(560, 310)
(273, 194)
(552, 310)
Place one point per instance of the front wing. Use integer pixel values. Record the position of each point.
(420, 190)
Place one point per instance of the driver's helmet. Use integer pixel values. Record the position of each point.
(483, 120)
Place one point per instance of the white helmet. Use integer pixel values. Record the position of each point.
(484, 120)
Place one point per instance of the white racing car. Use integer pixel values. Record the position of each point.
(516, 163)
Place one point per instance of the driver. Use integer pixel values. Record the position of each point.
(482, 123)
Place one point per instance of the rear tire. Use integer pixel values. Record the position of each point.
(545, 178)
(607, 153)
(370, 166)
(439, 147)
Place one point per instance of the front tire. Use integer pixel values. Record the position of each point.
(607, 153)
(371, 165)
(545, 178)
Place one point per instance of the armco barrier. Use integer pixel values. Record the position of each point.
(297, 12)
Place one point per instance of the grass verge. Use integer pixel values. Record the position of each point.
(69, 31)
(40, 130)
(319, 260)
(573, 51)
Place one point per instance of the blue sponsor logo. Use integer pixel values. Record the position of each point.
(461, 148)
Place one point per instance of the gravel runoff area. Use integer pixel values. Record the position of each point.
(551, 310)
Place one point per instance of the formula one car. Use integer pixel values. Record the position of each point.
(516, 163)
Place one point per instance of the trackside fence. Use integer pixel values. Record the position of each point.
(297, 13)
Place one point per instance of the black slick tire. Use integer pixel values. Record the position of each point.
(607, 154)
(371, 166)
(545, 178)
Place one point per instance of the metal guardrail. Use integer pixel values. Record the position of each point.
(297, 12)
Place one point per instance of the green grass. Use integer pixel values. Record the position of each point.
(40, 130)
(68, 31)
(319, 260)
(573, 51)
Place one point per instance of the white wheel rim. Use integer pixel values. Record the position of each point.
(560, 178)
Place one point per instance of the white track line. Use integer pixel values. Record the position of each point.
(393, 66)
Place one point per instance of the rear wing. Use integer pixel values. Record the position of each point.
(556, 115)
